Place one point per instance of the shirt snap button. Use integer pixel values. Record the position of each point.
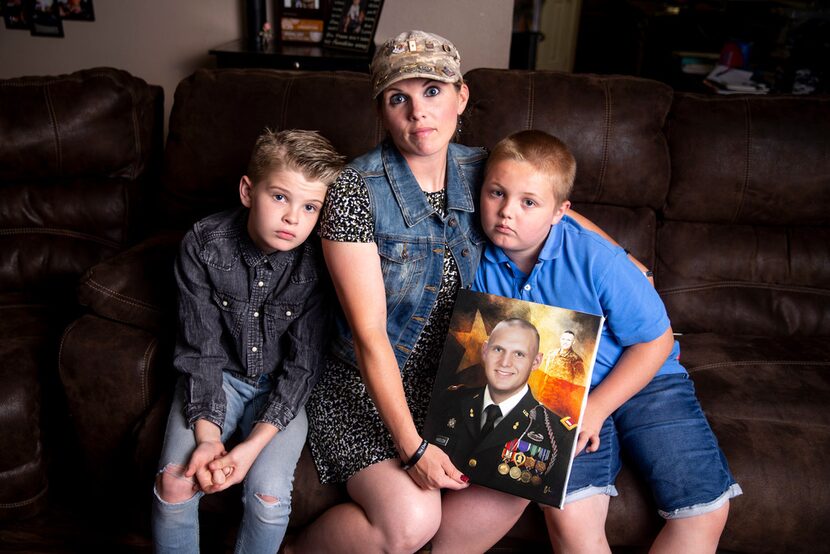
(256, 314)
(465, 252)
(224, 302)
(260, 284)
(253, 349)
(527, 287)
(288, 313)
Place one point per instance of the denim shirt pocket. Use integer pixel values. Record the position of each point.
(279, 315)
(232, 311)
(402, 261)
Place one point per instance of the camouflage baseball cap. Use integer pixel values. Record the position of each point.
(415, 54)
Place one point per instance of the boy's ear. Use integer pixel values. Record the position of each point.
(245, 187)
(560, 212)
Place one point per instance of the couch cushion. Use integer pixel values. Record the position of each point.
(745, 279)
(613, 125)
(112, 374)
(218, 114)
(99, 121)
(752, 160)
(74, 153)
(53, 231)
(766, 399)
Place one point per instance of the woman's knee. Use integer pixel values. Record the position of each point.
(413, 531)
(172, 486)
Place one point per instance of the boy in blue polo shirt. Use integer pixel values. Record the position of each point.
(641, 400)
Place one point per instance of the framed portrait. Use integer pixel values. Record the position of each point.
(302, 21)
(352, 24)
(534, 362)
(15, 14)
(76, 10)
(46, 19)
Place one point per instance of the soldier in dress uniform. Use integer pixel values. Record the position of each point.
(499, 435)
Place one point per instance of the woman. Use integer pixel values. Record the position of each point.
(400, 237)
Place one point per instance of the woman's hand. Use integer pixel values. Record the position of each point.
(435, 471)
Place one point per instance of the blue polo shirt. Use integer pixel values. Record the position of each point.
(579, 270)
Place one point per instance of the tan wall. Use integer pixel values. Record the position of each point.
(163, 41)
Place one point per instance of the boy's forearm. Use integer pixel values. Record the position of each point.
(261, 435)
(637, 365)
(206, 431)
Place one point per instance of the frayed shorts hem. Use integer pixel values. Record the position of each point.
(700, 509)
(590, 490)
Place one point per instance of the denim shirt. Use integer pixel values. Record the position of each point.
(411, 238)
(249, 313)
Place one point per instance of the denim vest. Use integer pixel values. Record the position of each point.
(411, 238)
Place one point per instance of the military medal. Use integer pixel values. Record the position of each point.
(525, 477)
(504, 469)
(515, 472)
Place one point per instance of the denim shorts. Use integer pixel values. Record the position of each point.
(665, 438)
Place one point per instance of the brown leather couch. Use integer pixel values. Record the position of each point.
(727, 198)
(76, 152)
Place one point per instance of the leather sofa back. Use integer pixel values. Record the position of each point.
(613, 125)
(743, 248)
(218, 114)
(72, 147)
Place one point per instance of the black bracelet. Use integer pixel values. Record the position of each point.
(415, 457)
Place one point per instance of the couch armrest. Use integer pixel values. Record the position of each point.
(135, 287)
(112, 376)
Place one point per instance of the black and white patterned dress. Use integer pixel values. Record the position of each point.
(346, 433)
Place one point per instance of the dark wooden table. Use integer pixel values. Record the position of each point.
(238, 53)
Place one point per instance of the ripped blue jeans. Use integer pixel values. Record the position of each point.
(176, 525)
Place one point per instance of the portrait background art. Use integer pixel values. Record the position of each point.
(530, 451)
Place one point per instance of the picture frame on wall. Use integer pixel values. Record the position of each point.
(15, 14)
(352, 24)
(302, 21)
(46, 19)
(76, 10)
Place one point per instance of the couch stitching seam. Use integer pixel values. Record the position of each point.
(605, 140)
(747, 160)
(145, 373)
(703, 288)
(54, 120)
(59, 232)
(92, 283)
(26, 502)
(715, 365)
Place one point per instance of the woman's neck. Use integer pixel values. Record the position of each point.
(430, 172)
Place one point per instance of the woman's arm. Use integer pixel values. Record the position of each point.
(591, 226)
(356, 272)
